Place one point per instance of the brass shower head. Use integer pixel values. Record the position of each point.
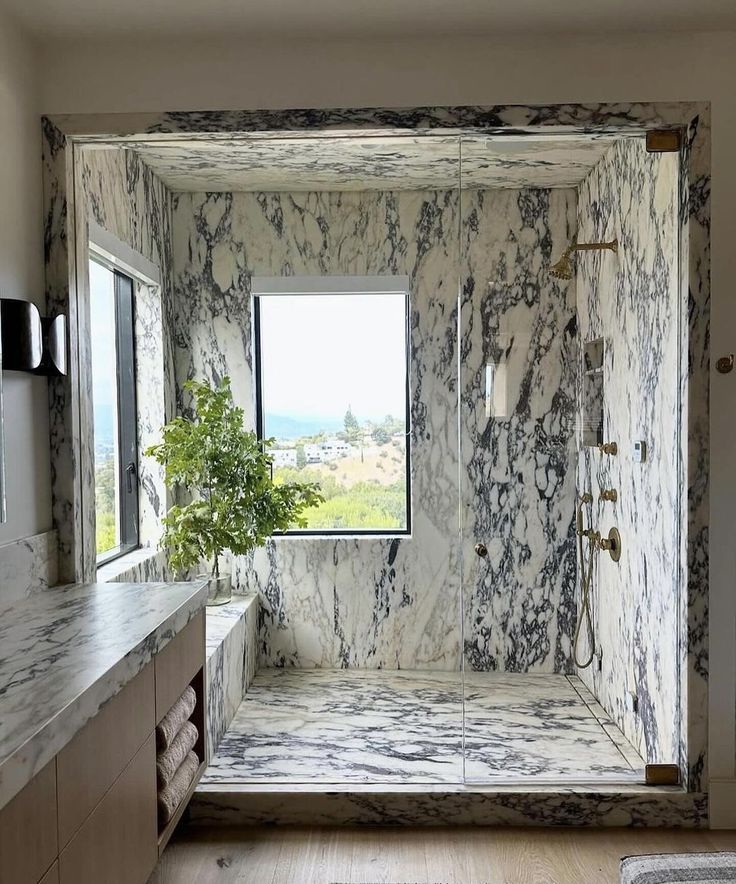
(563, 269)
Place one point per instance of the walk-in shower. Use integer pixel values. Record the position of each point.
(437, 630)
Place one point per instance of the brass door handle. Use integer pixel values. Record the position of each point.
(481, 550)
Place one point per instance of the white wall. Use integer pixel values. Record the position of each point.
(21, 276)
(458, 70)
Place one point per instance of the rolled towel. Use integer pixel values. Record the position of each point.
(173, 720)
(173, 795)
(168, 762)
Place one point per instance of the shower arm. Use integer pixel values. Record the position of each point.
(594, 246)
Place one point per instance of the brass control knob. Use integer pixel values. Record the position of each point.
(481, 550)
(609, 494)
(608, 448)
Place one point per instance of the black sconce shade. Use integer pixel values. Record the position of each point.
(30, 342)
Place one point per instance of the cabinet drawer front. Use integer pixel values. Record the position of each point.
(28, 843)
(118, 843)
(52, 876)
(98, 754)
(178, 663)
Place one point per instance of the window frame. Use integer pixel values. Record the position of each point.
(128, 472)
(268, 286)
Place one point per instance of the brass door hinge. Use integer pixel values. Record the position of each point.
(664, 140)
(662, 775)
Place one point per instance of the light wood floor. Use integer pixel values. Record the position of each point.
(417, 856)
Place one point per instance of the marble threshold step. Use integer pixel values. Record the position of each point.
(241, 804)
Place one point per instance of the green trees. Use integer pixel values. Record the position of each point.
(236, 505)
(353, 432)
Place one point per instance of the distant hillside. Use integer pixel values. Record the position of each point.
(282, 427)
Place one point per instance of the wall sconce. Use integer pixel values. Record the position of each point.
(31, 342)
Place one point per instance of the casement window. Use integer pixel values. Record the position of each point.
(112, 347)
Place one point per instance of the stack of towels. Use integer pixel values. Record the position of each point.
(176, 761)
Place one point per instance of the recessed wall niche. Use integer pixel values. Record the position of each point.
(593, 383)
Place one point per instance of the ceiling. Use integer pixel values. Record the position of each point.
(146, 19)
(362, 163)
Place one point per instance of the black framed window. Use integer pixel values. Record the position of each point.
(332, 390)
(112, 345)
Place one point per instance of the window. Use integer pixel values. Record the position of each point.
(332, 390)
(114, 411)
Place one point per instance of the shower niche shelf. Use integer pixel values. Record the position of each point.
(593, 389)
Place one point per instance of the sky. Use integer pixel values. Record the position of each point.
(102, 321)
(321, 354)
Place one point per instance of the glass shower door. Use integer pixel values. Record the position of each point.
(528, 452)
(517, 466)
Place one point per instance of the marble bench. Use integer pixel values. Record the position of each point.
(231, 649)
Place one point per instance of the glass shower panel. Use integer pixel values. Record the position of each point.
(526, 421)
(358, 211)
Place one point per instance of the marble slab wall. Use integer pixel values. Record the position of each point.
(396, 602)
(124, 197)
(232, 644)
(631, 301)
(518, 445)
(28, 565)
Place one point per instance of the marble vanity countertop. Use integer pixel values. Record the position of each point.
(65, 651)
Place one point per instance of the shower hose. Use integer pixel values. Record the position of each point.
(584, 615)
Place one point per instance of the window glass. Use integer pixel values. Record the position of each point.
(114, 412)
(333, 395)
(105, 405)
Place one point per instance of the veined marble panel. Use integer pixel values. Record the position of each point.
(357, 164)
(334, 602)
(517, 420)
(28, 565)
(124, 197)
(407, 727)
(395, 603)
(632, 301)
(422, 805)
(231, 640)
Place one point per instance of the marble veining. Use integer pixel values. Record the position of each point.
(231, 646)
(124, 197)
(66, 651)
(28, 565)
(354, 163)
(407, 727)
(422, 805)
(632, 301)
(517, 440)
(394, 602)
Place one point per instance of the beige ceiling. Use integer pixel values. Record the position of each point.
(145, 19)
(339, 163)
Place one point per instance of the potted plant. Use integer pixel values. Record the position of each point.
(235, 504)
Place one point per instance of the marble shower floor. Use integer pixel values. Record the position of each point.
(367, 726)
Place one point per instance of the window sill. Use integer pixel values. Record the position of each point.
(112, 570)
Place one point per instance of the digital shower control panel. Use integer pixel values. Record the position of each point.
(640, 452)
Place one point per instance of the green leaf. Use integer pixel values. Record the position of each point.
(226, 474)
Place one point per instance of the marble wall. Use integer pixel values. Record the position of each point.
(121, 195)
(631, 300)
(396, 602)
(518, 450)
(27, 566)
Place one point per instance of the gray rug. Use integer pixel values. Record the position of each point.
(671, 868)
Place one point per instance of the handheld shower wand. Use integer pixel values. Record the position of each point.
(584, 615)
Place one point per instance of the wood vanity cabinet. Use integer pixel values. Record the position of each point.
(90, 815)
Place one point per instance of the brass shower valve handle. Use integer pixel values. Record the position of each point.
(609, 494)
(610, 448)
